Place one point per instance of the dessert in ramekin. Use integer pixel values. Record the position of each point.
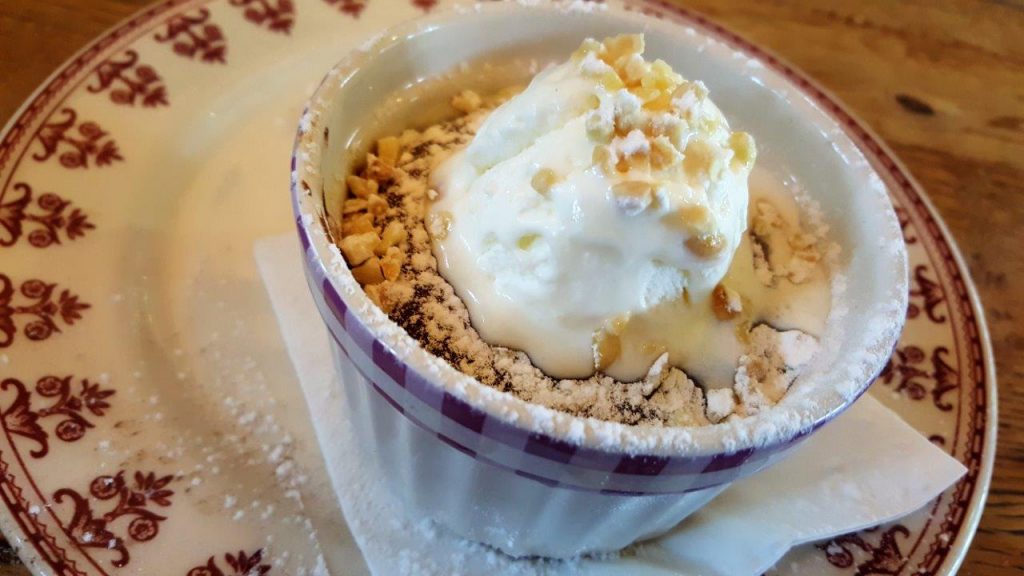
(539, 474)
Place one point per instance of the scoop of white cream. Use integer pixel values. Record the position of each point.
(609, 186)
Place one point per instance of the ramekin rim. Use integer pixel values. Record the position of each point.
(658, 441)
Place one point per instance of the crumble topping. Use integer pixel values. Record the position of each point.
(780, 249)
(387, 233)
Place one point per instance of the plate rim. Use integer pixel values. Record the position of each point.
(33, 560)
(27, 550)
(978, 500)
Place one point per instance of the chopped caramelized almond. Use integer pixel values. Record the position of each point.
(632, 188)
(356, 224)
(743, 148)
(543, 180)
(368, 272)
(664, 154)
(622, 46)
(394, 233)
(663, 77)
(698, 158)
(678, 134)
(353, 205)
(388, 150)
(377, 205)
(634, 69)
(706, 245)
(378, 170)
(660, 102)
(361, 187)
(690, 218)
(439, 224)
(598, 127)
(391, 263)
(526, 240)
(690, 93)
(611, 81)
(647, 94)
(589, 45)
(626, 122)
(725, 302)
(359, 248)
(604, 159)
(633, 197)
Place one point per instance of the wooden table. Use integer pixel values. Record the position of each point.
(942, 81)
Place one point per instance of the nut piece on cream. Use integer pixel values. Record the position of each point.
(607, 187)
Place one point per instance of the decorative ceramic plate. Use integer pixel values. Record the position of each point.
(151, 420)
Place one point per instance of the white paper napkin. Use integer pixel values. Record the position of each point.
(866, 468)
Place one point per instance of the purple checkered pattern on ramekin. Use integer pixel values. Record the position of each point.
(487, 438)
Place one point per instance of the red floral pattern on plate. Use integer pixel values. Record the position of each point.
(195, 36)
(130, 82)
(92, 530)
(50, 215)
(36, 533)
(907, 375)
(80, 142)
(188, 27)
(276, 15)
(925, 294)
(904, 218)
(351, 7)
(882, 558)
(41, 306)
(70, 408)
(240, 564)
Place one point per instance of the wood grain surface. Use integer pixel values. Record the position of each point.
(941, 81)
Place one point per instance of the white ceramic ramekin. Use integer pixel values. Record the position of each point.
(520, 477)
